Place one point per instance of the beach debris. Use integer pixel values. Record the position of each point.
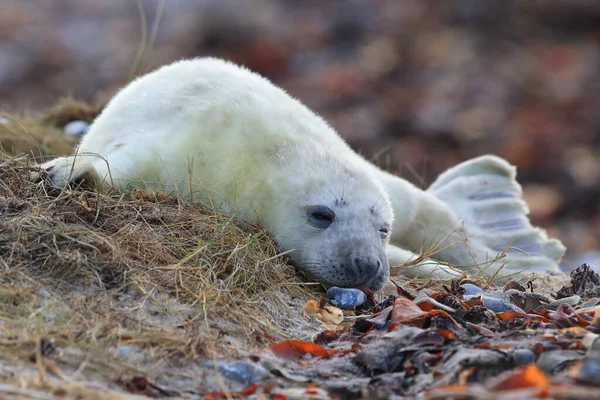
(331, 317)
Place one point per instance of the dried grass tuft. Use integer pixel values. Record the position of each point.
(41, 136)
(87, 274)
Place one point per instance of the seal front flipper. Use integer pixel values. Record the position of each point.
(77, 170)
(484, 193)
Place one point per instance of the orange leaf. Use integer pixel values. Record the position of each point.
(278, 396)
(266, 334)
(248, 391)
(353, 349)
(527, 377)
(295, 349)
(448, 335)
(538, 349)
(326, 336)
(508, 315)
(545, 313)
(480, 329)
(474, 301)
(393, 326)
(405, 309)
(417, 321)
(566, 315)
(450, 391)
(463, 376)
(596, 316)
(574, 329)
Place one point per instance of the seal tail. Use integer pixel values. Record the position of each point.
(485, 194)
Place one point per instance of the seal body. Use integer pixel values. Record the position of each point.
(218, 134)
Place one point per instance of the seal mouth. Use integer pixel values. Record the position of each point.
(363, 273)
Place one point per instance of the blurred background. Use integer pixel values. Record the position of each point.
(415, 85)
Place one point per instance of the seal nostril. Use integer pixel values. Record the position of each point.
(375, 271)
(358, 264)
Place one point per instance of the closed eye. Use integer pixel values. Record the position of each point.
(320, 216)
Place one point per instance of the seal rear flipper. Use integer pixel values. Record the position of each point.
(484, 193)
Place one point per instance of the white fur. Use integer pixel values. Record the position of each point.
(224, 136)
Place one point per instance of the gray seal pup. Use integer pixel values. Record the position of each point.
(219, 134)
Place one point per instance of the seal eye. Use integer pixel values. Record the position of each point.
(320, 216)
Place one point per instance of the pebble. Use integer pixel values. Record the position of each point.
(346, 298)
(593, 302)
(589, 372)
(552, 361)
(240, 371)
(471, 289)
(523, 356)
(76, 128)
(571, 300)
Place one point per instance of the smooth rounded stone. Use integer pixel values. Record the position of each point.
(571, 300)
(240, 371)
(278, 370)
(553, 361)
(593, 302)
(471, 289)
(346, 298)
(497, 294)
(523, 357)
(590, 341)
(589, 373)
(76, 128)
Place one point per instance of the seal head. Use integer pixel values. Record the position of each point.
(337, 226)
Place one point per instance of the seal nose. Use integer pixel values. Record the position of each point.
(367, 270)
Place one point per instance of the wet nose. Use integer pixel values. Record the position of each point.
(366, 269)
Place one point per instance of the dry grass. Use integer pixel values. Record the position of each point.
(116, 285)
(42, 137)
